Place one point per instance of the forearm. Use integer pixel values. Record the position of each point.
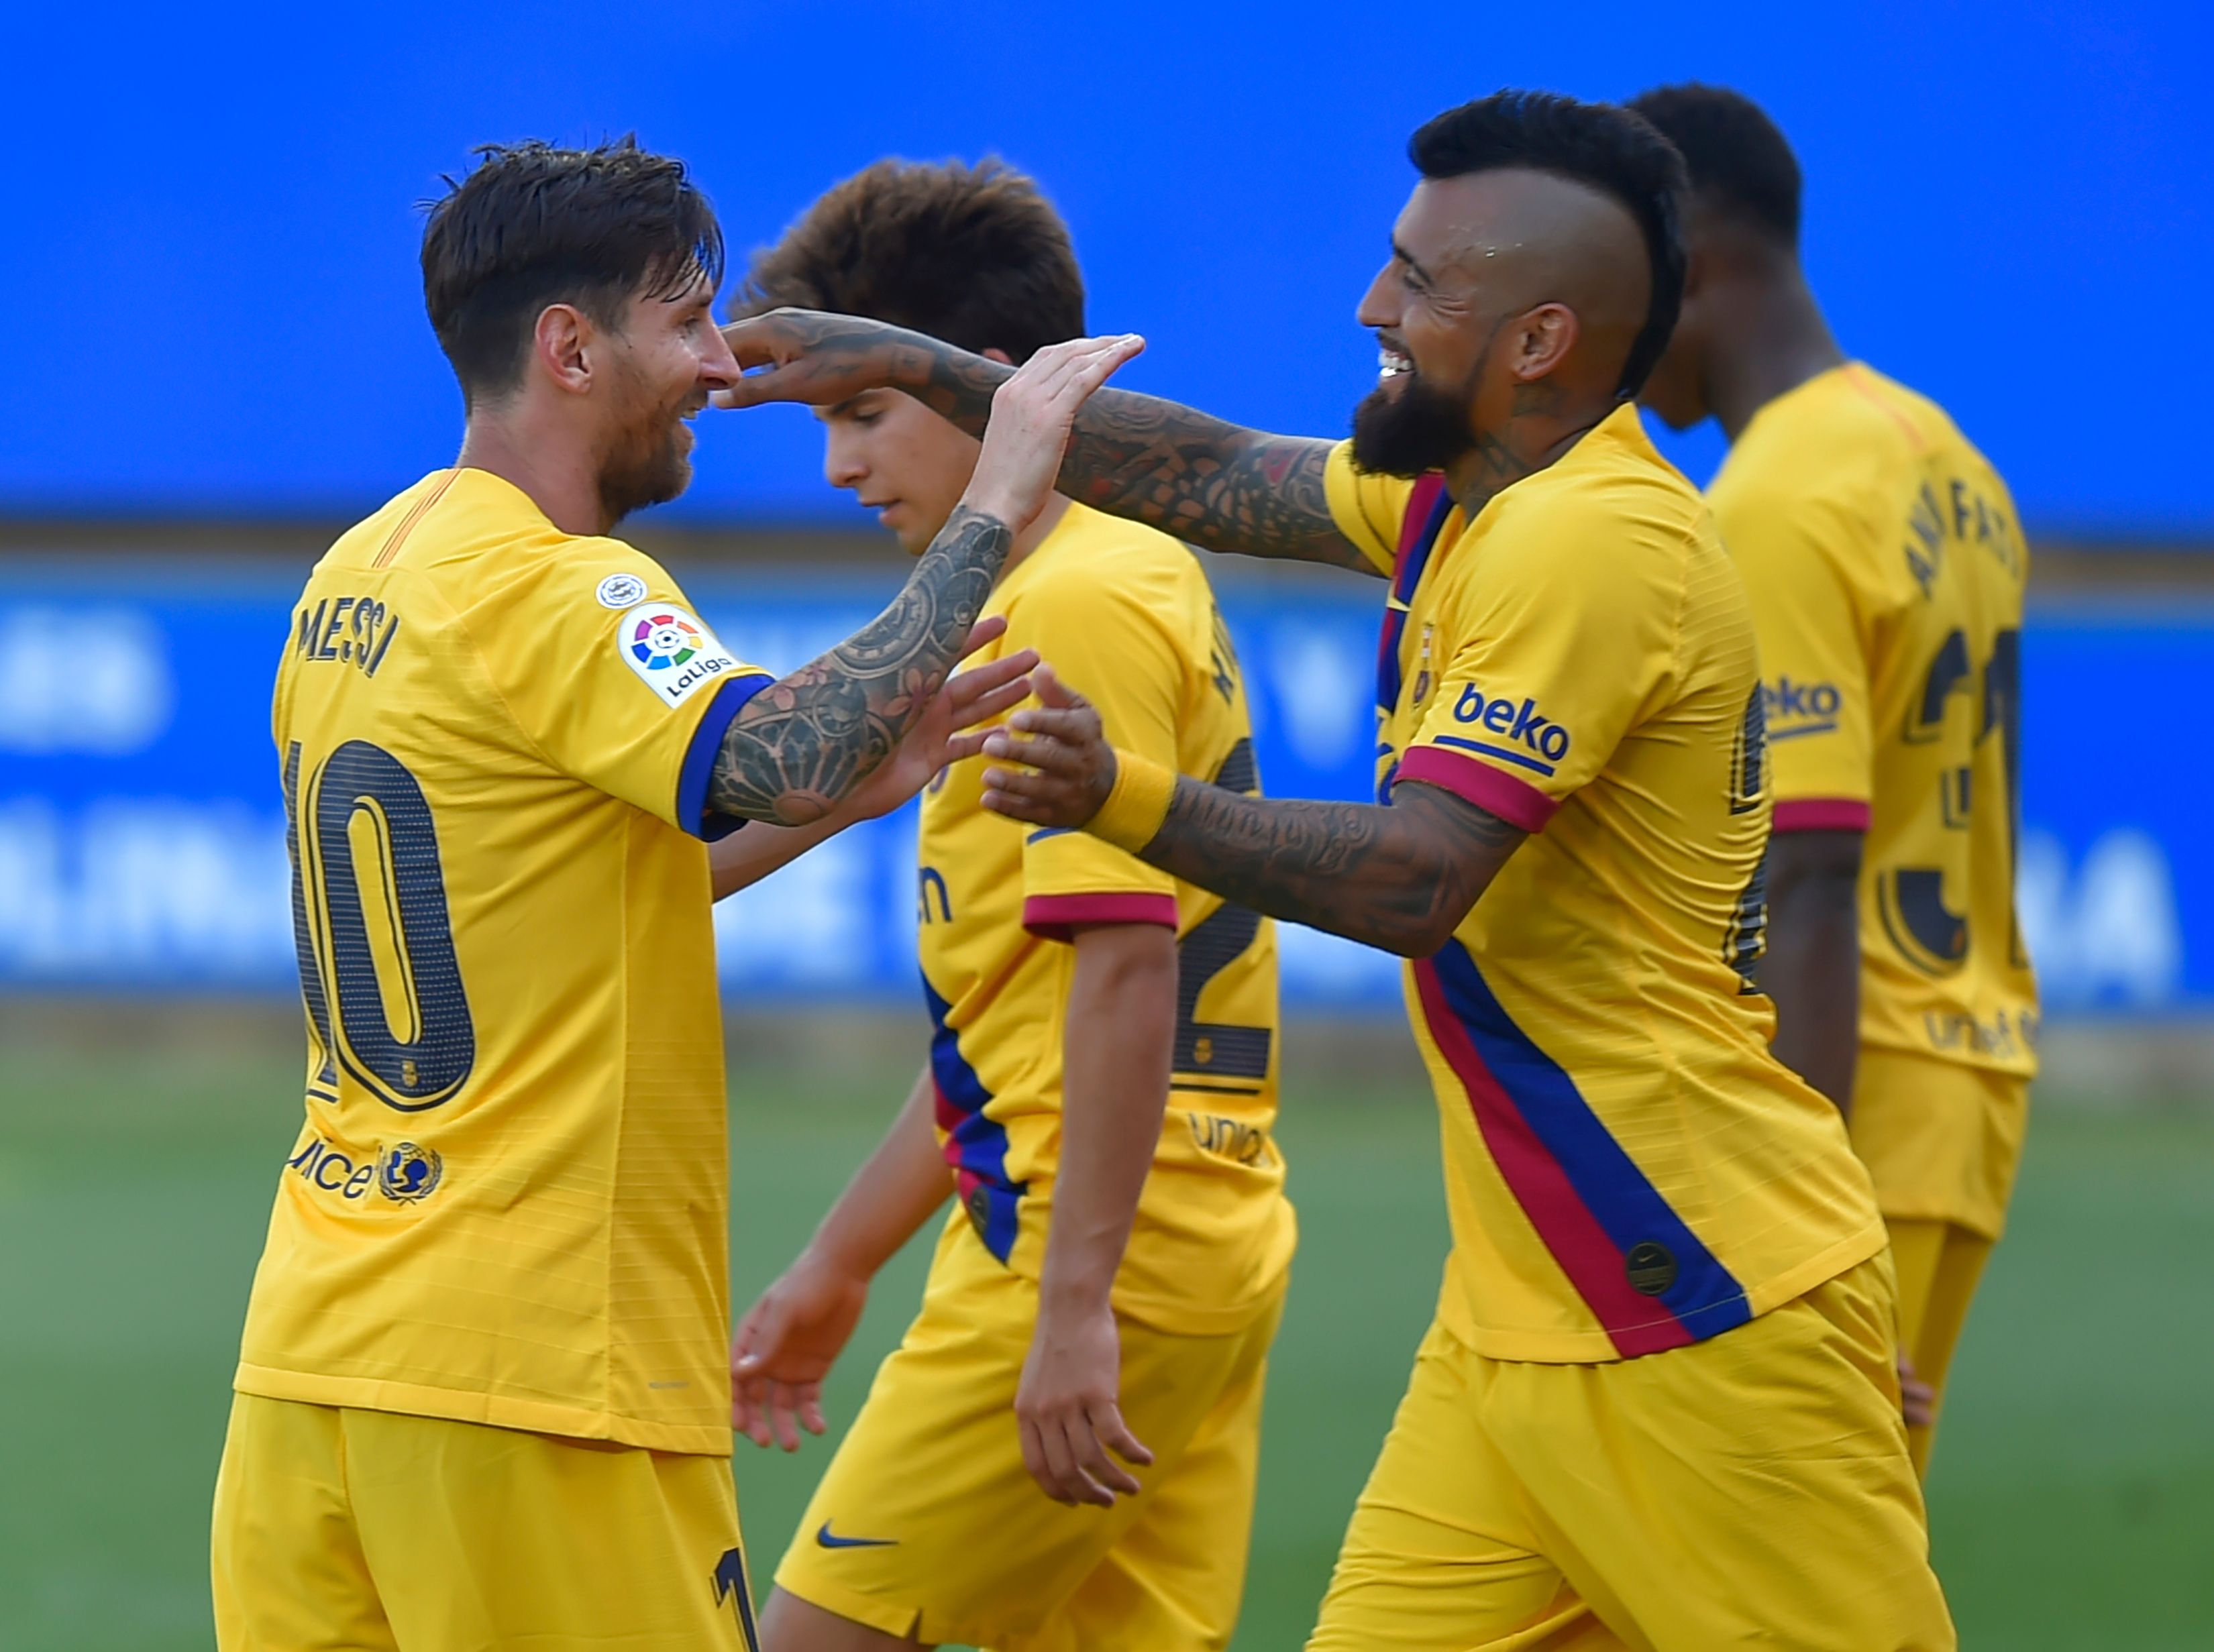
(1811, 973)
(1116, 1055)
(1400, 877)
(802, 745)
(900, 1186)
(744, 858)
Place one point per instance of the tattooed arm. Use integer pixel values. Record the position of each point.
(1401, 877)
(804, 744)
(1200, 478)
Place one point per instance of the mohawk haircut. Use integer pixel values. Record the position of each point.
(1599, 144)
(975, 256)
(535, 225)
(1739, 161)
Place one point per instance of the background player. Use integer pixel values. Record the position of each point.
(1885, 568)
(1112, 1278)
(1659, 1391)
(481, 1397)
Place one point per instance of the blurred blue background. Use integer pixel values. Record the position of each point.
(212, 267)
(141, 839)
(212, 235)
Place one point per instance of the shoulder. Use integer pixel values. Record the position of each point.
(1095, 561)
(1607, 510)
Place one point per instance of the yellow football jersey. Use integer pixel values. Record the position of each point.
(508, 1202)
(1886, 570)
(1125, 615)
(1627, 1169)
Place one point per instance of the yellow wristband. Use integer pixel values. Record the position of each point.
(1134, 811)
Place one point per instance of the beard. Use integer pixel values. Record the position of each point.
(649, 463)
(1408, 431)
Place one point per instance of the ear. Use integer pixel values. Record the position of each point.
(560, 344)
(996, 354)
(1544, 339)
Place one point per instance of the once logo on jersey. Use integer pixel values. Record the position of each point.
(1795, 708)
(672, 651)
(406, 1173)
(1520, 723)
(621, 591)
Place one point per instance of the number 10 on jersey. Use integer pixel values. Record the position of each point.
(370, 922)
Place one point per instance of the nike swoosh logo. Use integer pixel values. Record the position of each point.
(830, 1540)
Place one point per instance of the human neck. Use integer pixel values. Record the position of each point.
(1777, 340)
(1040, 529)
(546, 461)
(1535, 436)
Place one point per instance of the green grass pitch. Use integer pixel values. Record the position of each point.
(2072, 1501)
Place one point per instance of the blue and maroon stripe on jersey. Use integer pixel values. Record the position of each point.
(1427, 506)
(976, 1145)
(1592, 1207)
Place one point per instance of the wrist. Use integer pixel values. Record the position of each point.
(834, 1253)
(1075, 1299)
(1136, 805)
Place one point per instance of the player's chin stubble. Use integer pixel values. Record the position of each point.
(1409, 430)
(650, 466)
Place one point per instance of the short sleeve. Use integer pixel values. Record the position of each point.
(1555, 642)
(1101, 640)
(614, 677)
(1815, 684)
(1367, 509)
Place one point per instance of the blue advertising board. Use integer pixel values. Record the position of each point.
(141, 839)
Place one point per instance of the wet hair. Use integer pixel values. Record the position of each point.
(975, 256)
(1738, 160)
(1601, 145)
(533, 225)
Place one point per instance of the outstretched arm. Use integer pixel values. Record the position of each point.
(1200, 478)
(801, 745)
(1400, 877)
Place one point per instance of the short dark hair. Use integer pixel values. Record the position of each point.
(1738, 160)
(1599, 144)
(535, 225)
(975, 256)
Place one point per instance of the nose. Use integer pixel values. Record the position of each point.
(842, 464)
(1379, 306)
(718, 369)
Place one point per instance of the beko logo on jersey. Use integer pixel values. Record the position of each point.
(405, 1173)
(672, 649)
(1793, 708)
(1544, 743)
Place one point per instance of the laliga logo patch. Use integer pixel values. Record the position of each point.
(672, 651)
(621, 591)
(663, 640)
(406, 1173)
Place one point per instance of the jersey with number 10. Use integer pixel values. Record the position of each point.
(507, 1205)
(1628, 1168)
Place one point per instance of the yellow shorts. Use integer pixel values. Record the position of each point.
(1942, 1139)
(927, 1525)
(367, 1531)
(1751, 1490)
(1939, 1264)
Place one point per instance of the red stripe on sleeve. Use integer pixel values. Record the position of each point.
(1821, 815)
(1057, 918)
(1515, 802)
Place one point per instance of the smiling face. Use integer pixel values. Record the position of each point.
(663, 362)
(1510, 294)
(900, 459)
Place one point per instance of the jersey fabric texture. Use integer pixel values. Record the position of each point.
(508, 1202)
(374, 1530)
(926, 1524)
(1751, 1491)
(1125, 616)
(1886, 568)
(1627, 1169)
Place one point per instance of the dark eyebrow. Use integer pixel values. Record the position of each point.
(1411, 261)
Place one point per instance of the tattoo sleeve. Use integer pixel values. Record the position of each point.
(1400, 877)
(1200, 478)
(800, 744)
